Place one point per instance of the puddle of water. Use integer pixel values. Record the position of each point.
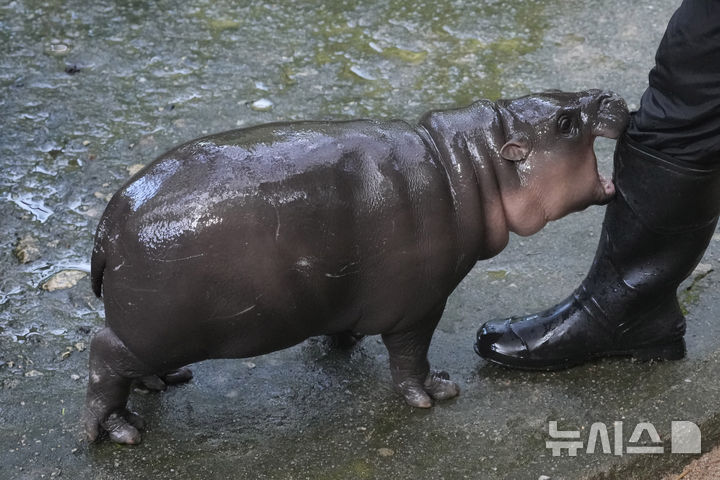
(37, 208)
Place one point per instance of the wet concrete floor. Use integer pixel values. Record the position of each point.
(91, 91)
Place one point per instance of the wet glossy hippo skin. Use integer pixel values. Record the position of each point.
(250, 241)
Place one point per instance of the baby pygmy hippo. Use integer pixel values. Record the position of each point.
(249, 241)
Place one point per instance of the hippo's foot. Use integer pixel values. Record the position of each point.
(158, 383)
(112, 369)
(345, 340)
(122, 427)
(410, 368)
(437, 386)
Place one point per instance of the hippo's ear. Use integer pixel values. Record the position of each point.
(515, 149)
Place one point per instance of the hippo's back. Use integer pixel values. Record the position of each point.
(289, 222)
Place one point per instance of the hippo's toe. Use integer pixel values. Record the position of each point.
(437, 386)
(181, 375)
(415, 394)
(440, 387)
(152, 383)
(159, 383)
(120, 428)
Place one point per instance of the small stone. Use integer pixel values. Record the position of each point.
(262, 105)
(27, 249)
(544, 477)
(362, 73)
(86, 142)
(80, 346)
(103, 196)
(133, 169)
(64, 279)
(92, 212)
(249, 365)
(386, 452)
(33, 373)
(375, 47)
(75, 377)
(59, 48)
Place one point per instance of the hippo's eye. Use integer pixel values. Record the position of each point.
(565, 124)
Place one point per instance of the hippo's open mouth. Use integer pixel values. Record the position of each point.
(612, 120)
(605, 185)
(608, 189)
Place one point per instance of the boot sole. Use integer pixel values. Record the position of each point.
(675, 350)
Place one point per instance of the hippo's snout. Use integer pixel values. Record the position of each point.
(612, 115)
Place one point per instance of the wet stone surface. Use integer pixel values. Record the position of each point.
(91, 92)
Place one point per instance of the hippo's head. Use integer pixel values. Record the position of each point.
(550, 167)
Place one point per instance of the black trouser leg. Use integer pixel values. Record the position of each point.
(667, 175)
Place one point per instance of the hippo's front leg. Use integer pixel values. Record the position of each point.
(410, 367)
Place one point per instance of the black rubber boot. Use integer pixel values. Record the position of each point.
(654, 234)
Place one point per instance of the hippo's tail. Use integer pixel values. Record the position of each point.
(97, 260)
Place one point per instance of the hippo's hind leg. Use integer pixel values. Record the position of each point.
(157, 383)
(112, 369)
(410, 368)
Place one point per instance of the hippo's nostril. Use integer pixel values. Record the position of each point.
(605, 98)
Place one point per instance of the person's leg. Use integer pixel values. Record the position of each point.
(667, 176)
(680, 110)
